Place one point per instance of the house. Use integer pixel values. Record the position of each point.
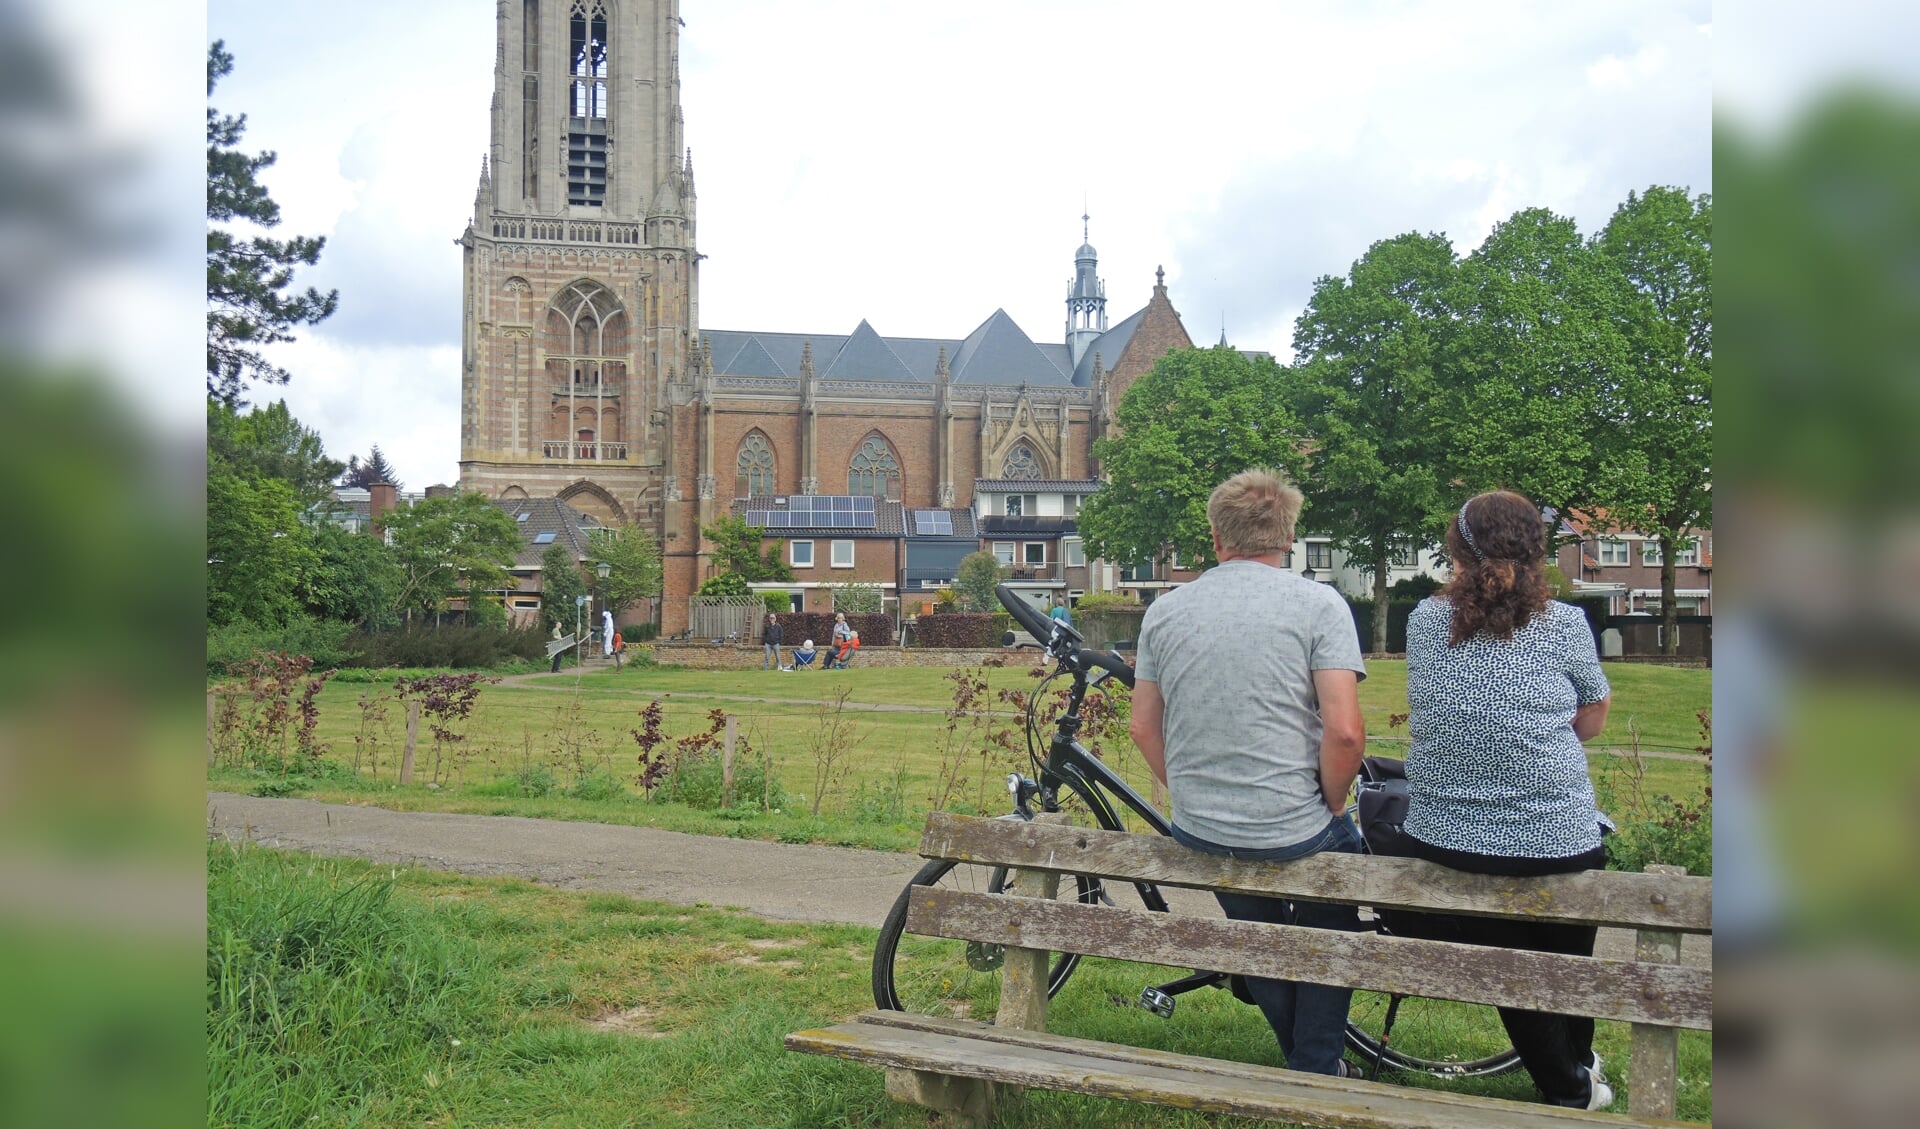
(830, 539)
(543, 522)
(1031, 527)
(1624, 566)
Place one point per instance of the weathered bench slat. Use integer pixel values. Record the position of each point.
(1183, 1082)
(1670, 995)
(1614, 898)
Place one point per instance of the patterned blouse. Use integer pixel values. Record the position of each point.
(1495, 768)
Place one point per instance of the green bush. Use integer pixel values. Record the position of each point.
(597, 784)
(322, 640)
(779, 603)
(449, 647)
(696, 779)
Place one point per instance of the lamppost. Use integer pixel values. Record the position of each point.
(1307, 573)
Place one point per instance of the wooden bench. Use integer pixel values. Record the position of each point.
(962, 1067)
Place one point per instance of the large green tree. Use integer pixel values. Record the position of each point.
(251, 302)
(1656, 472)
(269, 443)
(975, 579)
(356, 577)
(1197, 417)
(1363, 389)
(260, 558)
(451, 544)
(633, 560)
(561, 585)
(1537, 349)
(738, 548)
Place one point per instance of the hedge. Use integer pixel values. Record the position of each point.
(875, 628)
(960, 629)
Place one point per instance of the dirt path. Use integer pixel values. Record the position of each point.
(785, 882)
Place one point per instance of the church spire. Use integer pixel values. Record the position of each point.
(1087, 300)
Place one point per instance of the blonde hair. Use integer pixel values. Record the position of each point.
(1253, 512)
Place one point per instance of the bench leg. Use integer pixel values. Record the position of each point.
(1655, 1051)
(965, 1102)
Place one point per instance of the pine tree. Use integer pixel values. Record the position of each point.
(365, 472)
(249, 300)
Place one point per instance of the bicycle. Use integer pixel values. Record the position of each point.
(933, 976)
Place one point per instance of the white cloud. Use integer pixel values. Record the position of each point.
(406, 398)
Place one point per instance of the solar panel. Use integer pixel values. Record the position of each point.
(759, 517)
(860, 521)
(863, 504)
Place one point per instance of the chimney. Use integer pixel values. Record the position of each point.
(441, 490)
(381, 497)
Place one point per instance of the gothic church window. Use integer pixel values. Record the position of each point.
(756, 465)
(1021, 463)
(874, 468)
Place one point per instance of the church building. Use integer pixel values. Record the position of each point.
(586, 375)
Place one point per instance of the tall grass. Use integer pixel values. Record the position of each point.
(324, 997)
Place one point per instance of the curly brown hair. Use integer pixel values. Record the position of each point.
(1499, 572)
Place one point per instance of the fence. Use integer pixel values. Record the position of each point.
(734, 618)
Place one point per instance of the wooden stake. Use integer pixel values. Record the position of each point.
(413, 737)
(1655, 1051)
(213, 719)
(726, 762)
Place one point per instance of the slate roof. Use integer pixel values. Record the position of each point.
(1109, 345)
(1035, 485)
(548, 515)
(888, 520)
(864, 357)
(997, 352)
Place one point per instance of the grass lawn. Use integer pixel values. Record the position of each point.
(344, 993)
(562, 747)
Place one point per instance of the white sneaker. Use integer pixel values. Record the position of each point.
(1593, 1067)
(1602, 1095)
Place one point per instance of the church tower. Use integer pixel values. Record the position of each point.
(1087, 301)
(580, 277)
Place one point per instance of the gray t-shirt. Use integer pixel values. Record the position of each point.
(1234, 654)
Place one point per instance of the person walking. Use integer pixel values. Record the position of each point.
(771, 640)
(1246, 706)
(619, 648)
(606, 631)
(1503, 688)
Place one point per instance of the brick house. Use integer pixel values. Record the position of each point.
(828, 540)
(1624, 565)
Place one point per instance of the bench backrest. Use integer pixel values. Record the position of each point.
(1645, 991)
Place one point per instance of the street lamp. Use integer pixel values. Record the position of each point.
(1307, 573)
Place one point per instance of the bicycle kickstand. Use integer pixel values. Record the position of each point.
(1160, 1000)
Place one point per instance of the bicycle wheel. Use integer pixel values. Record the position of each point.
(937, 976)
(1443, 1038)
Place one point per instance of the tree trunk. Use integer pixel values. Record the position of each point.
(1381, 610)
(1669, 607)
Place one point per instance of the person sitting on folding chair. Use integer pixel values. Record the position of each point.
(803, 655)
(844, 652)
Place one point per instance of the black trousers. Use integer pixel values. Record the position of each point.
(1555, 1049)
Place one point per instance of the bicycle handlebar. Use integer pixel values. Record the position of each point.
(1060, 639)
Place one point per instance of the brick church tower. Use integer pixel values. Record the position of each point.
(580, 276)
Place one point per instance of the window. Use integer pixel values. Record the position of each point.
(800, 554)
(1014, 507)
(756, 464)
(1070, 505)
(1686, 557)
(1075, 553)
(1320, 555)
(843, 554)
(1173, 558)
(1403, 556)
(1034, 553)
(587, 127)
(543, 538)
(1611, 551)
(873, 469)
(1286, 559)
(1020, 463)
(1003, 552)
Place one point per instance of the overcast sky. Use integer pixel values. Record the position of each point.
(920, 165)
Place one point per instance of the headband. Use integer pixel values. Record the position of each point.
(1467, 534)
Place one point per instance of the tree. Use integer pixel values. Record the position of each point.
(561, 585)
(1656, 472)
(259, 555)
(356, 578)
(364, 473)
(975, 579)
(451, 543)
(1536, 351)
(1197, 418)
(866, 598)
(269, 443)
(249, 301)
(1363, 391)
(737, 548)
(635, 571)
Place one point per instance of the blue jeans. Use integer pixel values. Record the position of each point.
(1310, 1020)
(773, 656)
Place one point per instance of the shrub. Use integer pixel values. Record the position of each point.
(449, 647)
(1656, 828)
(875, 630)
(1414, 588)
(325, 641)
(777, 602)
(725, 584)
(960, 629)
(857, 598)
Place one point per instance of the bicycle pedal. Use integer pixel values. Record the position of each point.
(1157, 1002)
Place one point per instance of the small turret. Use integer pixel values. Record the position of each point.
(1087, 300)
